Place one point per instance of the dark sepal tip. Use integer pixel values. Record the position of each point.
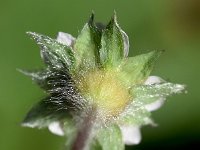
(91, 19)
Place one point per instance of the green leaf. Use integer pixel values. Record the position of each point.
(86, 46)
(110, 138)
(135, 70)
(147, 94)
(54, 54)
(46, 111)
(112, 42)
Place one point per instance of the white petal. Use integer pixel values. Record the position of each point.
(155, 105)
(153, 80)
(55, 128)
(131, 134)
(65, 38)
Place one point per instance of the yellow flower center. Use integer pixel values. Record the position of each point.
(105, 90)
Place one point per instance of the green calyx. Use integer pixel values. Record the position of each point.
(95, 72)
(96, 63)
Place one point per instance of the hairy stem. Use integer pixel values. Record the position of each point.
(83, 135)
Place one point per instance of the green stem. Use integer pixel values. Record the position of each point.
(83, 136)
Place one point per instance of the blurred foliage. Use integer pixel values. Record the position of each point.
(173, 25)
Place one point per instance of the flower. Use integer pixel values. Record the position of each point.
(97, 95)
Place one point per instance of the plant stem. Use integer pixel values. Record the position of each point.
(83, 135)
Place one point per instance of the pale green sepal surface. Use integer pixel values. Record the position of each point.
(135, 70)
(135, 114)
(86, 46)
(110, 138)
(149, 93)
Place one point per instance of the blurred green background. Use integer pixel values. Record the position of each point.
(173, 25)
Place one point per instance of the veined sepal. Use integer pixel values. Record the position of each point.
(53, 53)
(87, 46)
